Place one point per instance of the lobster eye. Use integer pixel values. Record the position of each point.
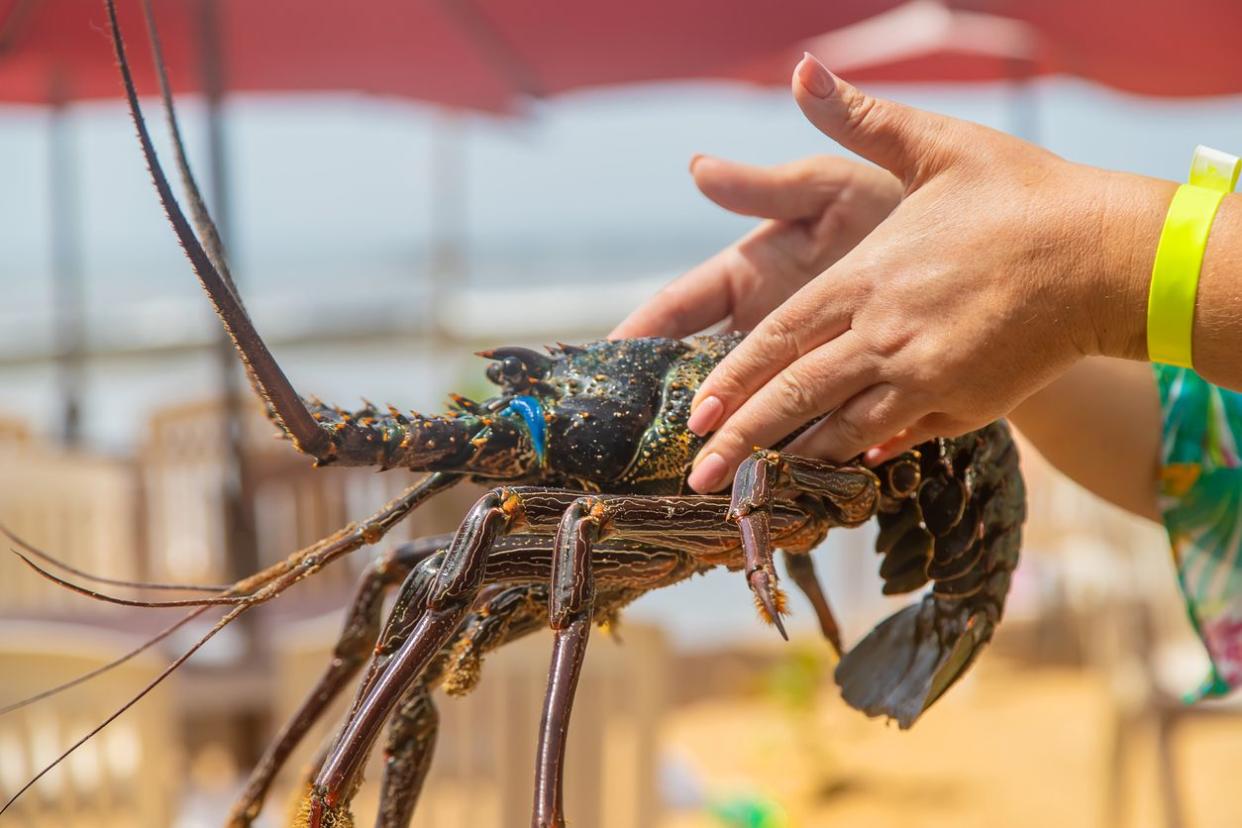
(512, 367)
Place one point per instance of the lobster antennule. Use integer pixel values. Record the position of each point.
(270, 381)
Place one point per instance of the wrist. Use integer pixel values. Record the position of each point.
(1218, 305)
(1130, 216)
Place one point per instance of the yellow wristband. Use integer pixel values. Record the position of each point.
(1179, 255)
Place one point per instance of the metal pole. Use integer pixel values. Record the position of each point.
(237, 498)
(448, 263)
(67, 283)
(241, 543)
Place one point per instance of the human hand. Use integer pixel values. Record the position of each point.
(1001, 267)
(817, 209)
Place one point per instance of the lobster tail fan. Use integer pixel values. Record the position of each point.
(906, 663)
(962, 531)
(270, 381)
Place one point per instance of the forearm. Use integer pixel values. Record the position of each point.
(1099, 424)
(1218, 310)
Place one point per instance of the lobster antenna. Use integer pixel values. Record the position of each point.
(129, 602)
(151, 685)
(116, 662)
(35, 552)
(205, 226)
(274, 387)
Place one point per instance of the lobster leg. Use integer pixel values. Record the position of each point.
(852, 495)
(509, 615)
(353, 647)
(569, 612)
(698, 520)
(452, 593)
(699, 525)
(801, 569)
(407, 756)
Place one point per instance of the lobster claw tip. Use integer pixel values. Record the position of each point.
(771, 603)
(780, 627)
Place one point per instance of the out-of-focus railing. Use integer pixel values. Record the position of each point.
(126, 777)
(83, 508)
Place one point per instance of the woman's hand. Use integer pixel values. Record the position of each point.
(1002, 266)
(817, 209)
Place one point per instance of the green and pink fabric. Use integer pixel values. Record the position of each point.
(1201, 503)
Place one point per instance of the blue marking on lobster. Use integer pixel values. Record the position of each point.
(531, 412)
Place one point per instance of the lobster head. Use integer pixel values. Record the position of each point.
(575, 413)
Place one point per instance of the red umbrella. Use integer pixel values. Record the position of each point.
(472, 53)
(1152, 47)
(921, 41)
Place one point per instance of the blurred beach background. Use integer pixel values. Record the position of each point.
(371, 280)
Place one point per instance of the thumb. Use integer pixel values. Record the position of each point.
(898, 138)
(789, 192)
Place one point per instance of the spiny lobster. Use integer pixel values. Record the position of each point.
(588, 453)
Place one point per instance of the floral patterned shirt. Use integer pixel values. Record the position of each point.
(1201, 503)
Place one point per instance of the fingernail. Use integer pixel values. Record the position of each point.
(815, 77)
(873, 456)
(694, 159)
(708, 474)
(706, 415)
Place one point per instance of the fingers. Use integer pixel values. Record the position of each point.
(811, 386)
(800, 325)
(872, 417)
(799, 190)
(899, 443)
(696, 300)
(894, 136)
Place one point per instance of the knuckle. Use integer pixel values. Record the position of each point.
(851, 428)
(725, 381)
(861, 111)
(779, 338)
(885, 407)
(929, 378)
(889, 337)
(794, 394)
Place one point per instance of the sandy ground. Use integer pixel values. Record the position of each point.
(1009, 747)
